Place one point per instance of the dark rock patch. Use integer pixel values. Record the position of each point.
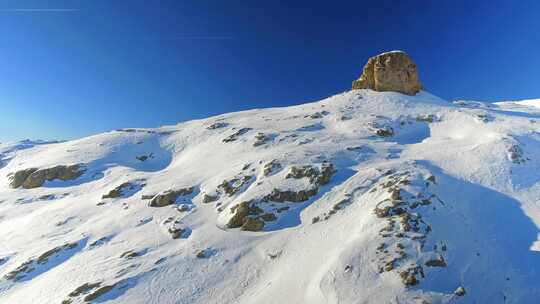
(271, 167)
(34, 178)
(207, 198)
(233, 186)
(217, 125)
(169, 197)
(30, 265)
(143, 158)
(123, 189)
(236, 135)
(281, 196)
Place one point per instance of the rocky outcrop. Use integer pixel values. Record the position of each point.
(34, 178)
(234, 185)
(318, 176)
(392, 71)
(236, 135)
(246, 216)
(123, 190)
(169, 197)
(281, 196)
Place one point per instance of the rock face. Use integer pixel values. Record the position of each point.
(34, 178)
(392, 71)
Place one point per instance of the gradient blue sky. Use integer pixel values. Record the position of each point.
(74, 68)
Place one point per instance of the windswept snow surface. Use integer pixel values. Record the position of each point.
(428, 199)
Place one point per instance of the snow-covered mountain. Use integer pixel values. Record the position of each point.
(364, 197)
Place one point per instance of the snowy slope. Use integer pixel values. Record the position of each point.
(364, 197)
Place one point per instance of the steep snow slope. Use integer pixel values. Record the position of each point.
(364, 197)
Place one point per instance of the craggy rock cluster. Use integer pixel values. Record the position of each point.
(281, 196)
(271, 167)
(248, 217)
(405, 228)
(169, 197)
(316, 176)
(34, 178)
(234, 185)
(381, 128)
(176, 229)
(392, 71)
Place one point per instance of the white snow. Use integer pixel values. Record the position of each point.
(483, 207)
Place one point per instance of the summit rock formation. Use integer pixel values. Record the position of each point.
(391, 71)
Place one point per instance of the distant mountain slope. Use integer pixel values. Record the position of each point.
(363, 197)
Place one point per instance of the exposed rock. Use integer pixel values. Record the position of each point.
(426, 118)
(31, 264)
(130, 254)
(251, 224)
(260, 139)
(280, 196)
(99, 292)
(317, 115)
(83, 289)
(437, 262)
(515, 154)
(34, 178)
(205, 253)
(147, 196)
(408, 276)
(44, 257)
(176, 232)
(207, 198)
(385, 131)
(271, 167)
(460, 291)
(217, 125)
(169, 197)
(120, 190)
(18, 178)
(326, 172)
(391, 71)
(183, 208)
(316, 176)
(237, 134)
(231, 187)
(145, 157)
(268, 217)
(241, 213)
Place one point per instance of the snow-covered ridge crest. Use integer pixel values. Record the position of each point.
(363, 197)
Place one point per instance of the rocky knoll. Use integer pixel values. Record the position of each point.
(392, 71)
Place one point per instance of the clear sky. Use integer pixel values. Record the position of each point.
(74, 68)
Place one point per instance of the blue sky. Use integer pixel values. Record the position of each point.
(75, 68)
